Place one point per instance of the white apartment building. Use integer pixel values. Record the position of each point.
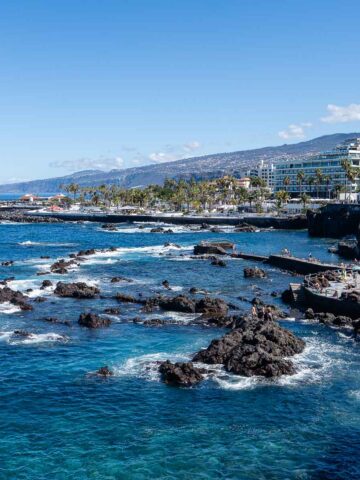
(265, 171)
(330, 165)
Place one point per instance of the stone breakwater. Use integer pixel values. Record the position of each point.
(297, 222)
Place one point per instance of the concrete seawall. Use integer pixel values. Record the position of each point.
(337, 306)
(290, 223)
(291, 264)
(299, 265)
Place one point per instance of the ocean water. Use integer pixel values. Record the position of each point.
(57, 422)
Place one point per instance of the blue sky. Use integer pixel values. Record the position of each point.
(119, 83)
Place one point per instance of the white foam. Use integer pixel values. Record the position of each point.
(29, 243)
(8, 308)
(36, 338)
(89, 281)
(315, 364)
(100, 261)
(354, 394)
(182, 318)
(23, 285)
(8, 222)
(145, 366)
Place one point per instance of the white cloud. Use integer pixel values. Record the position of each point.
(342, 114)
(14, 180)
(191, 146)
(79, 164)
(170, 153)
(159, 157)
(295, 131)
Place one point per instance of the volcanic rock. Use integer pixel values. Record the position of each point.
(218, 263)
(254, 272)
(15, 298)
(76, 290)
(46, 284)
(254, 348)
(112, 311)
(180, 374)
(125, 298)
(91, 320)
(104, 372)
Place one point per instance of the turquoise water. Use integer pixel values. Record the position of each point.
(56, 422)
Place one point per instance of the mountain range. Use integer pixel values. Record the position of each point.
(204, 167)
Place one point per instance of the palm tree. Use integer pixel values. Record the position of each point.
(337, 189)
(241, 195)
(319, 179)
(351, 176)
(71, 188)
(286, 182)
(327, 180)
(281, 197)
(311, 181)
(305, 199)
(300, 177)
(346, 166)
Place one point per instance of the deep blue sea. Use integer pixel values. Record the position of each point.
(59, 423)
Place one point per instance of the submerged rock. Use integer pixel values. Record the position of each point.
(182, 374)
(209, 249)
(172, 245)
(104, 372)
(85, 253)
(40, 299)
(254, 272)
(7, 263)
(46, 284)
(155, 322)
(166, 284)
(218, 263)
(109, 226)
(91, 320)
(56, 320)
(112, 311)
(245, 227)
(120, 279)
(76, 290)
(125, 298)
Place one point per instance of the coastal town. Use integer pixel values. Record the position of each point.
(285, 187)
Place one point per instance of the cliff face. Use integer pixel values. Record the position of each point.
(336, 220)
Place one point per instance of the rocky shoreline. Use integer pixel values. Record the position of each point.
(18, 216)
(256, 345)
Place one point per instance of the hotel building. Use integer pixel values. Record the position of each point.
(330, 165)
